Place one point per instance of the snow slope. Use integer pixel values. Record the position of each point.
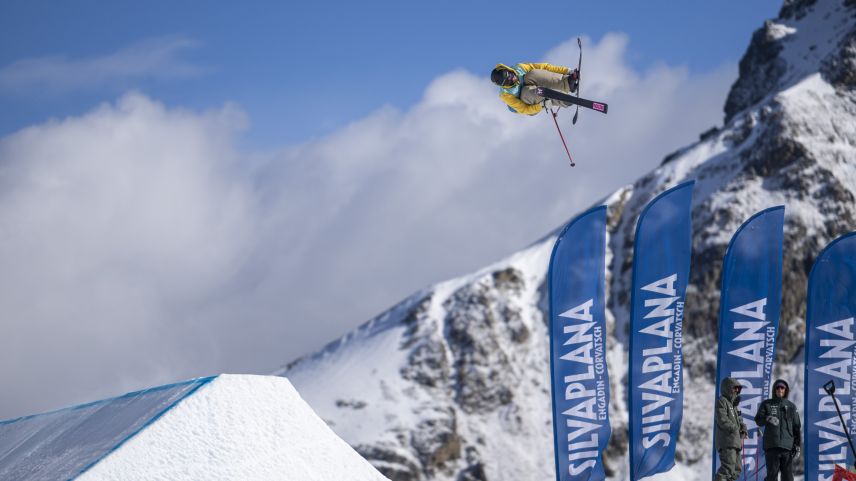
(453, 383)
(222, 428)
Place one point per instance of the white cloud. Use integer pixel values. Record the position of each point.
(140, 246)
(116, 226)
(150, 59)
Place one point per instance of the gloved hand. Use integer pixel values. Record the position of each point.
(574, 80)
(795, 452)
(772, 420)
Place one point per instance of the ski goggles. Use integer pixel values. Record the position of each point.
(508, 78)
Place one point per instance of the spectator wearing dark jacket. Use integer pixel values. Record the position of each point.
(782, 432)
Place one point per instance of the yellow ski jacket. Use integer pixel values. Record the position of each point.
(511, 95)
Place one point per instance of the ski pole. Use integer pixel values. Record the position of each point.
(830, 389)
(760, 436)
(756, 455)
(555, 114)
(743, 456)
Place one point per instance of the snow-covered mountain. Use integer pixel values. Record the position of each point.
(453, 382)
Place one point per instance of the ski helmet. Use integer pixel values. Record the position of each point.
(503, 77)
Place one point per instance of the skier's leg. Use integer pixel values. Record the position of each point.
(529, 95)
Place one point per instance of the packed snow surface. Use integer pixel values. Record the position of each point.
(226, 427)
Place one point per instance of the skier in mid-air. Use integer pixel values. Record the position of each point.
(527, 88)
(518, 85)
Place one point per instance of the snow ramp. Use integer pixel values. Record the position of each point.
(226, 427)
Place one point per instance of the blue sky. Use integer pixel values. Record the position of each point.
(303, 69)
(191, 188)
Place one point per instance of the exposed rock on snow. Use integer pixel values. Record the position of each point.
(453, 383)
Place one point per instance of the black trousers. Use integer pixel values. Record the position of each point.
(779, 461)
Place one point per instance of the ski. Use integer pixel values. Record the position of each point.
(589, 104)
(579, 79)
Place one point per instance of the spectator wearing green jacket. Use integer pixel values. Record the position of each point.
(730, 430)
(782, 432)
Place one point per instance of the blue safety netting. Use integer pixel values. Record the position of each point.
(61, 445)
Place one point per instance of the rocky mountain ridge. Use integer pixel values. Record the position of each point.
(453, 383)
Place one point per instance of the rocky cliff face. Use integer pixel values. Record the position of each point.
(453, 383)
